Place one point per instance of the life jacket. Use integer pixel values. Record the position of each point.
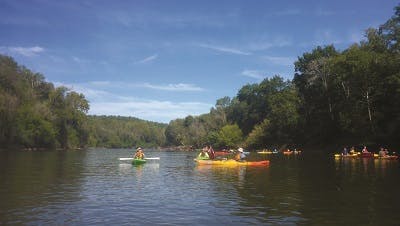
(203, 155)
(139, 155)
(211, 153)
(238, 156)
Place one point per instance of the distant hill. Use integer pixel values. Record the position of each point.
(124, 132)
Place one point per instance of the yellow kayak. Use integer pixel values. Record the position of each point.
(264, 152)
(231, 162)
(346, 156)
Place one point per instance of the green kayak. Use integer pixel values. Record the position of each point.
(138, 161)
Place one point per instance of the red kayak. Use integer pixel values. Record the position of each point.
(367, 155)
(222, 153)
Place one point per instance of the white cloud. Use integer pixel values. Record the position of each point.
(109, 103)
(279, 41)
(90, 93)
(323, 12)
(253, 74)
(284, 61)
(148, 59)
(25, 51)
(153, 110)
(100, 83)
(79, 60)
(260, 75)
(224, 49)
(124, 85)
(287, 12)
(326, 37)
(174, 87)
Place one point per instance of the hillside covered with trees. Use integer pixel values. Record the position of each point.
(124, 132)
(36, 114)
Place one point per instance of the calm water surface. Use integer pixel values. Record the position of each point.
(94, 188)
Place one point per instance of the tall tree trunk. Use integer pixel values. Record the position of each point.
(369, 107)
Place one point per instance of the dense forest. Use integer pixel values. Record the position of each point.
(36, 114)
(124, 132)
(336, 96)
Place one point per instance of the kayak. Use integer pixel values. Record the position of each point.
(222, 153)
(346, 156)
(369, 155)
(138, 161)
(267, 152)
(231, 162)
(389, 157)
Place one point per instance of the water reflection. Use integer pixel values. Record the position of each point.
(365, 166)
(366, 183)
(35, 182)
(257, 194)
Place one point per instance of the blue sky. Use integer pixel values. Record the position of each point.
(162, 60)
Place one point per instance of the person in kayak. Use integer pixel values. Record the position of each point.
(365, 150)
(345, 152)
(240, 155)
(211, 152)
(139, 154)
(203, 154)
(383, 152)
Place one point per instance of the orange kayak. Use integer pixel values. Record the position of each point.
(231, 162)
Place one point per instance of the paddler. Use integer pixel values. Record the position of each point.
(211, 152)
(345, 152)
(204, 153)
(139, 154)
(383, 152)
(240, 155)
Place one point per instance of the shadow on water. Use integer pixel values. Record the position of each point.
(348, 191)
(36, 184)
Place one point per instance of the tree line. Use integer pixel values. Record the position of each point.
(336, 97)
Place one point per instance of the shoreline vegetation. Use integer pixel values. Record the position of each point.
(333, 149)
(336, 98)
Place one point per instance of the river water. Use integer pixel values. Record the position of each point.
(94, 187)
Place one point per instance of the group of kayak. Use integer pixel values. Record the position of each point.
(285, 152)
(382, 154)
(208, 156)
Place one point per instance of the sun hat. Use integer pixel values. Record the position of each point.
(138, 149)
(240, 149)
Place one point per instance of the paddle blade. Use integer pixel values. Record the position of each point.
(125, 158)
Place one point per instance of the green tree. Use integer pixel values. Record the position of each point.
(230, 136)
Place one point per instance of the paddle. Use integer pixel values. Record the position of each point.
(155, 158)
